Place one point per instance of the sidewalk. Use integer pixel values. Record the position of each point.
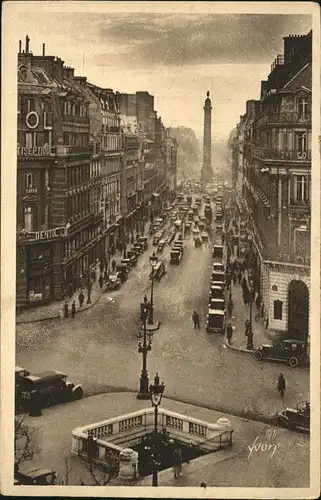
(240, 314)
(229, 467)
(55, 309)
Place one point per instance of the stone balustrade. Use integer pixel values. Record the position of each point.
(108, 430)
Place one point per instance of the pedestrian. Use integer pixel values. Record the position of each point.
(223, 238)
(70, 290)
(66, 311)
(230, 308)
(113, 265)
(229, 333)
(267, 322)
(249, 344)
(145, 299)
(73, 308)
(81, 298)
(240, 276)
(234, 278)
(247, 327)
(101, 281)
(281, 385)
(196, 319)
(177, 463)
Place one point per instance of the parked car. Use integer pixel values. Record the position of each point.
(218, 276)
(216, 292)
(217, 304)
(219, 229)
(113, 282)
(218, 267)
(215, 321)
(133, 256)
(157, 238)
(128, 264)
(296, 418)
(293, 352)
(139, 247)
(197, 241)
(46, 389)
(218, 251)
(35, 476)
(204, 236)
(159, 271)
(144, 241)
(122, 271)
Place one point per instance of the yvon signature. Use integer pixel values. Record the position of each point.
(265, 445)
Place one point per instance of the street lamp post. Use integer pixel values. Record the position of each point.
(250, 333)
(144, 348)
(153, 261)
(156, 392)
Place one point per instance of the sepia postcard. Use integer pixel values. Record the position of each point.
(160, 249)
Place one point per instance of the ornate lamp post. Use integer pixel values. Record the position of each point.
(153, 261)
(156, 392)
(144, 346)
(250, 333)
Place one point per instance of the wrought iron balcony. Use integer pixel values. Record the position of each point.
(276, 154)
(63, 150)
(292, 117)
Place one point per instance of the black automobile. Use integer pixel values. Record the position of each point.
(46, 389)
(122, 272)
(296, 419)
(35, 476)
(133, 256)
(293, 352)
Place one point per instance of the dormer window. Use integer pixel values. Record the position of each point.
(302, 107)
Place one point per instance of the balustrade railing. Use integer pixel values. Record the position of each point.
(289, 117)
(144, 419)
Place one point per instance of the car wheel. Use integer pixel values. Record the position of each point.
(293, 361)
(78, 393)
(258, 355)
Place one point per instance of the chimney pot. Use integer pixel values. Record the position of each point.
(27, 44)
(43, 49)
(20, 44)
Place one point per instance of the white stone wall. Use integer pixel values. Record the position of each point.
(281, 280)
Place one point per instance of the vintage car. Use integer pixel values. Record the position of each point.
(204, 236)
(122, 272)
(113, 282)
(35, 476)
(139, 247)
(143, 240)
(216, 292)
(171, 235)
(215, 321)
(161, 245)
(188, 227)
(128, 263)
(133, 256)
(218, 276)
(218, 251)
(218, 267)
(218, 217)
(217, 304)
(175, 256)
(46, 389)
(296, 418)
(20, 373)
(293, 352)
(218, 229)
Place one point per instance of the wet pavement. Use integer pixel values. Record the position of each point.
(99, 347)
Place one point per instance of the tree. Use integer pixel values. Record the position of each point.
(25, 446)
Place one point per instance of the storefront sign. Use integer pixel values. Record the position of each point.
(44, 150)
(47, 234)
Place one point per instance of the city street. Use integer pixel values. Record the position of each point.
(98, 348)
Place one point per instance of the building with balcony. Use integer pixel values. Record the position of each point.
(106, 135)
(57, 226)
(277, 187)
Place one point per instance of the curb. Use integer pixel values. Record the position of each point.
(240, 349)
(48, 318)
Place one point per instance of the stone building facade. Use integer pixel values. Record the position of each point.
(276, 161)
(57, 231)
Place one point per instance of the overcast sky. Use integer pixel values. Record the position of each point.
(176, 57)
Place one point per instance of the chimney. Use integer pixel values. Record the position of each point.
(43, 49)
(20, 46)
(27, 44)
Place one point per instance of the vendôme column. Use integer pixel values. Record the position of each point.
(207, 172)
